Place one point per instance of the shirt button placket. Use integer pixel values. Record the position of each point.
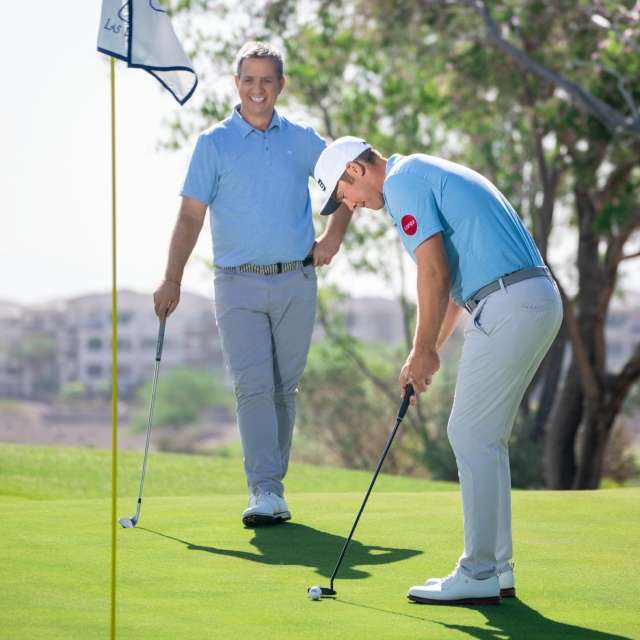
(267, 148)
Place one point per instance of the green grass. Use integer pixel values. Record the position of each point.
(47, 473)
(190, 570)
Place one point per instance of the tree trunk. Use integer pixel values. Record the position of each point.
(560, 462)
(550, 382)
(597, 427)
(599, 420)
(561, 467)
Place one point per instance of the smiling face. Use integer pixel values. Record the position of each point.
(362, 189)
(258, 86)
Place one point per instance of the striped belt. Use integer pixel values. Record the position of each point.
(510, 278)
(269, 269)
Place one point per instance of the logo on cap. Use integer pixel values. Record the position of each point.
(321, 185)
(409, 224)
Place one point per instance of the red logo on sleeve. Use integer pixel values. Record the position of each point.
(409, 224)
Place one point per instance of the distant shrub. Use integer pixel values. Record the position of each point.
(621, 456)
(183, 394)
(73, 391)
(345, 417)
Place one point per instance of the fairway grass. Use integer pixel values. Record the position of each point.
(190, 570)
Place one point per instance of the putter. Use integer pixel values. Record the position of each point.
(130, 523)
(408, 392)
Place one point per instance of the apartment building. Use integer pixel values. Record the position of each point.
(69, 341)
(622, 331)
(85, 343)
(43, 348)
(28, 354)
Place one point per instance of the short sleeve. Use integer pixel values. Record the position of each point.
(202, 176)
(315, 145)
(412, 203)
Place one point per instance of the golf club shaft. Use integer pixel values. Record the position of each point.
(401, 413)
(153, 401)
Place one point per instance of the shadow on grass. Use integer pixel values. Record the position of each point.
(297, 544)
(512, 620)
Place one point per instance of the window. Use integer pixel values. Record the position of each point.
(94, 344)
(124, 344)
(350, 320)
(615, 349)
(147, 344)
(616, 319)
(94, 370)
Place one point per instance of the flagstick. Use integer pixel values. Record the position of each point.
(114, 356)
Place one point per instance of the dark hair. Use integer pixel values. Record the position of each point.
(256, 49)
(368, 156)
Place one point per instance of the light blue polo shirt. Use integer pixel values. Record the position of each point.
(256, 185)
(483, 236)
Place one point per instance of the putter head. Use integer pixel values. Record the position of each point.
(315, 593)
(128, 523)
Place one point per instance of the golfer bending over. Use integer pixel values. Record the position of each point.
(472, 252)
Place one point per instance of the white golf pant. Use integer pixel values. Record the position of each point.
(265, 324)
(506, 338)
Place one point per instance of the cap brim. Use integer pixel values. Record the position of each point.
(330, 206)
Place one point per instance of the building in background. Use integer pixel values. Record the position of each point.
(69, 342)
(45, 349)
(28, 351)
(373, 319)
(622, 331)
(85, 345)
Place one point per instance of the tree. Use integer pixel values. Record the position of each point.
(185, 395)
(543, 99)
(349, 396)
(35, 357)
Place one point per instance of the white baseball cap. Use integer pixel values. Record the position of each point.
(332, 164)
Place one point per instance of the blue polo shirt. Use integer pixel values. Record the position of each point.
(483, 236)
(256, 185)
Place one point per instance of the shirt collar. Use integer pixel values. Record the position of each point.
(246, 128)
(390, 162)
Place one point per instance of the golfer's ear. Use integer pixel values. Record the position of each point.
(283, 84)
(355, 170)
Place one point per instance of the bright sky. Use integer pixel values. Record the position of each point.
(55, 165)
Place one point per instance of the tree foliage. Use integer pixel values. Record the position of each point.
(540, 97)
(185, 395)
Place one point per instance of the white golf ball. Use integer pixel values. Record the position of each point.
(315, 593)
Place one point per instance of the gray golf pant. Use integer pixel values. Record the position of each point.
(265, 324)
(506, 338)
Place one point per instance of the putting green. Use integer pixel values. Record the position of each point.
(191, 570)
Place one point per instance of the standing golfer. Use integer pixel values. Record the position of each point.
(252, 171)
(472, 252)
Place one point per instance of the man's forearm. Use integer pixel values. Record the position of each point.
(433, 296)
(183, 240)
(338, 223)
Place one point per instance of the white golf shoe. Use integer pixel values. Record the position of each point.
(507, 582)
(506, 579)
(265, 509)
(456, 588)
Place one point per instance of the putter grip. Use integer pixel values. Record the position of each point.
(163, 321)
(408, 392)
